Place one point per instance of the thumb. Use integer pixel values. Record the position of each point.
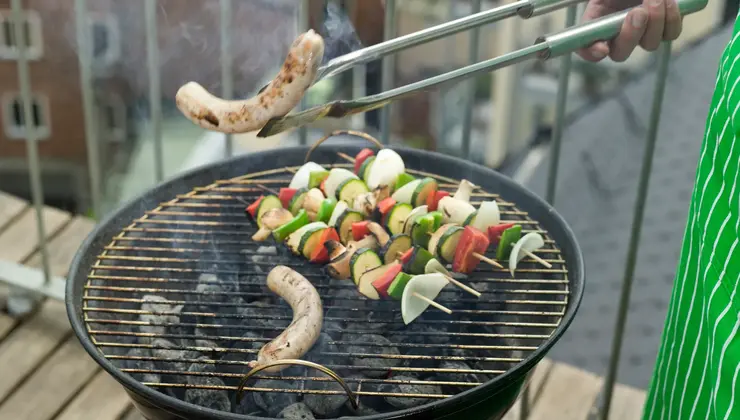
(600, 49)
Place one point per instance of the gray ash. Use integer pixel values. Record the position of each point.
(133, 363)
(467, 377)
(216, 399)
(381, 345)
(171, 355)
(408, 388)
(325, 405)
(241, 358)
(273, 402)
(297, 411)
(161, 313)
(258, 315)
(323, 345)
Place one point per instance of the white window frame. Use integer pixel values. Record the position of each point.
(18, 133)
(116, 134)
(110, 22)
(33, 51)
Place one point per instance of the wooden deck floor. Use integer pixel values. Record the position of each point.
(45, 374)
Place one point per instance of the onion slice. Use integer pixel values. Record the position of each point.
(454, 210)
(301, 178)
(419, 211)
(464, 190)
(529, 242)
(338, 210)
(488, 215)
(404, 194)
(434, 266)
(335, 179)
(386, 167)
(427, 285)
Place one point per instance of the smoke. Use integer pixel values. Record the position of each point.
(339, 34)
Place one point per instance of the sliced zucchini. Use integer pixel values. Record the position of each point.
(415, 213)
(433, 244)
(402, 180)
(300, 237)
(365, 284)
(365, 168)
(425, 187)
(397, 245)
(310, 240)
(470, 220)
(448, 244)
(339, 208)
(267, 203)
(296, 203)
(365, 259)
(397, 217)
(405, 193)
(351, 188)
(344, 224)
(336, 177)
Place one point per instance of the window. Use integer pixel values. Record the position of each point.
(31, 38)
(105, 42)
(112, 118)
(14, 116)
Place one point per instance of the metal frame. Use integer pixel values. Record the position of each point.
(561, 44)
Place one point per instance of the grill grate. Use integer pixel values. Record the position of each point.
(178, 301)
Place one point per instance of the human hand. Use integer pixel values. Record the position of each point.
(647, 25)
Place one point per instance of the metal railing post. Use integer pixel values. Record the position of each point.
(155, 88)
(388, 69)
(474, 45)
(227, 71)
(20, 301)
(84, 56)
(664, 58)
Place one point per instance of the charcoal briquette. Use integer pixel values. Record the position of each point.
(161, 313)
(171, 355)
(202, 367)
(297, 411)
(325, 405)
(458, 377)
(408, 388)
(380, 345)
(135, 363)
(216, 399)
(273, 402)
(324, 344)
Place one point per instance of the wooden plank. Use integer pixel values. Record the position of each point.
(20, 239)
(52, 385)
(63, 247)
(627, 403)
(102, 399)
(540, 375)
(568, 394)
(10, 207)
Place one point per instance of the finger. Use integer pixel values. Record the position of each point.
(656, 24)
(633, 29)
(594, 53)
(673, 21)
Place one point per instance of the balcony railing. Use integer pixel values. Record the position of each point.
(54, 289)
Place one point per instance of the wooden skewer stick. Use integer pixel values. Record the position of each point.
(487, 260)
(432, 303)
(291, 170)
(463, 286)
(346, 157)
(270, 190)
(537, 258)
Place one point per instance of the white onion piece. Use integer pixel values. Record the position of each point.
(529, 242)
(454, 210)
(403, 194)
(434, 266)
(464, 190)
(335, 179)
(427, 285)
(301, 178)
(387, 166)
(338, 210)
(419, 211)
(488, 215)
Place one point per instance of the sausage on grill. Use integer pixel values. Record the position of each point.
(308, 316)
(281, 95)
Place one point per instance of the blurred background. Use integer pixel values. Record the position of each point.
(511, 118)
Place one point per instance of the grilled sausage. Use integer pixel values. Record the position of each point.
(281, 95)
(308, 316)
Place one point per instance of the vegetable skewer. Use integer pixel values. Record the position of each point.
(432, 303)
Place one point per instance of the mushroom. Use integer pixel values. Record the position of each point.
(364, 203)
(271, 220)
(340, 255)
(312, 202)
(464, 190)
(380, 234)
(455, 210)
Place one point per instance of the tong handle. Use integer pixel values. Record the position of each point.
(605, 28)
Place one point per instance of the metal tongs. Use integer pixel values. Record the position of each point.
(545, 47)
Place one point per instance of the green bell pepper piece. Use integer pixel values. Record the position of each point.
(326, 209)
(300, 219)
(508, 239)
(399, 283)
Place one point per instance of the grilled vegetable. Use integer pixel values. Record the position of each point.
(303, 175)
(360, 230)
(338, 210)
(365, 168)
(296, 203)
(402, 180)
(455, 211)
(424, 226)
(364, 203)
(381, 193)
(286, 195)
(336, 177)
(299, 220)
(298, 240)
(251, 210)
(447, 243)
(351, 188)
(494, 232)
(365, 283)
(382, 283)
(382, 209)
(397, 244)
(464, 190)
(340, 257)
(316, 178)
(529, 242)
(320, 254)
(433, 199)
(427, 285)
(325, 209)
(415, 214)
(417, 261)
(425, 188)
(344, 224)
(434, 266)
(487, 215)
(472, 241)
(395, 290)
(508, 239)
(396, 217)
(271, 220)
(361, 157)
(312, 202)
(379, 233)
(363, 260)
(267, 203)
(405, 193)
(386, 167)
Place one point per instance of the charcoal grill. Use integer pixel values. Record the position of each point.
(187, 242)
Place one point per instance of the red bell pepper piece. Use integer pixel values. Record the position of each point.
(385, 205)
(252, 209)
(406, 256)
(320, 255)
(285, 195)
(471, 241)
(321, 186)
(433, 199)
(495, 232)
(361, 157)
(360, 230)
(382, 283)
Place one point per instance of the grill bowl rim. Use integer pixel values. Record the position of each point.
(78, 274)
